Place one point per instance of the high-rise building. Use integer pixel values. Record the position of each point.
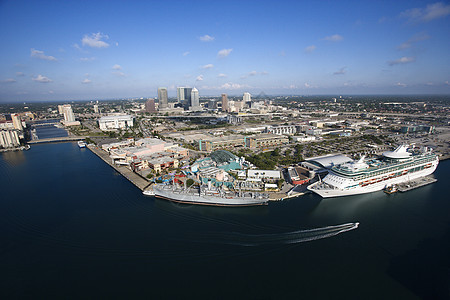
(180, 94)
(9, 138)
(17, 122)
(68, 113)
(95, 108)
(195, 99)
(224, 102)
(247, 97)
(162, 97)
(150, 106)
(212, 104)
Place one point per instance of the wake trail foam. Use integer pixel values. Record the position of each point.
(294, 237)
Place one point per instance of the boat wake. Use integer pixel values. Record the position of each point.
(294, 237)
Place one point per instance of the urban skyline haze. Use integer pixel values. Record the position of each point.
(72, 50)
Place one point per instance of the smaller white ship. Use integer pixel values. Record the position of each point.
(81, 144)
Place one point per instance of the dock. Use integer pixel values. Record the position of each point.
(140, 182)
(416, 183)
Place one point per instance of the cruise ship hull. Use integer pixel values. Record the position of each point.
(193, 198)
(378, 186)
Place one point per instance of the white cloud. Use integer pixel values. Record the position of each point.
(117, 44)
(206, 38)
(233, 86)
(310, 49)
(254, 73)
(429, 13)
(8, 80)
(307, 85)
(402, 60)
(221, 75)
(86, 81)
(416, 38)
(264, 73)
(401, 84)
(186, 53)
(95, 40)
(208, 66)
(199, 78)
(118, 73)
(20, 74)
(51, 92)
(446, 82)
(334, 38)
(224, 52)
(117, 67)
(341, 71)
(84, 59)
(42, 79)
(40, 54)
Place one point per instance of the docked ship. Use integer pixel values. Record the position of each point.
(206, 195)
(81, 144)
(366, 176)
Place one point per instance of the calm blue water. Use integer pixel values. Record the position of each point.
(71, 227)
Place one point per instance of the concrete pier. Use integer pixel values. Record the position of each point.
(134, 178)
(416, 183)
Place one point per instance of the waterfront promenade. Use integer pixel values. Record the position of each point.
(134, 178)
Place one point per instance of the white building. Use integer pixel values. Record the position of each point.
(115, 122)
(9, 138)
(68, 113)
(195, 100)
(96, 108)
(247, 97)
(282, 129)
(17, 122)
(265, 175)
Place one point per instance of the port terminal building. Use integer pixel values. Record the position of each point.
(322, 164)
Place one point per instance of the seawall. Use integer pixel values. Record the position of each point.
(134, 178)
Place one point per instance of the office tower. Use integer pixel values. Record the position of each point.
(68, 113)
(150, 106)
(17, 122)
(224, 102)
(162, 97)
(212, 104)
(95, 108)
(180, 94)
(195, 100)
(247, 97)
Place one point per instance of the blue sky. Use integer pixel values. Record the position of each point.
(89, 50)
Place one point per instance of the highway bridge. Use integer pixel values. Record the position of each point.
(57, 139)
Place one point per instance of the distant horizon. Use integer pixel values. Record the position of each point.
(66, 50)
(254, 97)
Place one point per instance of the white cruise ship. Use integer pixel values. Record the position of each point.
(365, 176)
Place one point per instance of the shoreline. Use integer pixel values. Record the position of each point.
(132, 177)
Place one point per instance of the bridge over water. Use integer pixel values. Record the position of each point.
(57, 139)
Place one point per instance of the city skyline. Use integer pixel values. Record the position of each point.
(87, 51)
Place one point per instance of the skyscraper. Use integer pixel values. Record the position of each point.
(162, 97)
(68, 113)
(150, 106)
(16, 121)
(224, 102)
(195, 99)
(247, 97)
(180, 94)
